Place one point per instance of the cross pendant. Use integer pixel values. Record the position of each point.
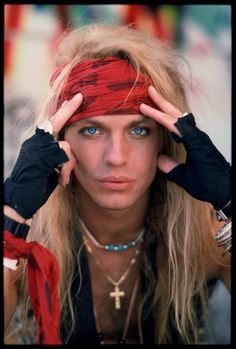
(116, 294)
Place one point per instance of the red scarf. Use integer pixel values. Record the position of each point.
(43, 278)
(109, 86)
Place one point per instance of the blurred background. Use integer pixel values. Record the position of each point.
(200, 33)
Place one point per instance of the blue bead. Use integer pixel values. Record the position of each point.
(120, 247)
(111, 247)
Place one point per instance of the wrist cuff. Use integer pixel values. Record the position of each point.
(19, 230)
(10, 263)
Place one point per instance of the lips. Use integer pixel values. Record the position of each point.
(116, 182)
(116, 179)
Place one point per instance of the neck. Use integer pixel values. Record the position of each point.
(113, 226)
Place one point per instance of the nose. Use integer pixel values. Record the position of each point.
(116, 151)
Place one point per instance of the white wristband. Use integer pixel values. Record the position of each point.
(10, 263)
(46, 125)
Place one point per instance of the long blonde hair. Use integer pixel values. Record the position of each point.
(180, 227)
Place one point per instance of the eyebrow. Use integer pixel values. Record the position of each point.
(140, 120)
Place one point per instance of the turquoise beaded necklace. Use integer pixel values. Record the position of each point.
(120, 247)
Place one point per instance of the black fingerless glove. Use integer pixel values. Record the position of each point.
(206, 174)
(34, 177)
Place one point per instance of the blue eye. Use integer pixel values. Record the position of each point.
(140, 131)
(89, 131)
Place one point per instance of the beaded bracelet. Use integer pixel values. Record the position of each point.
(224, 237)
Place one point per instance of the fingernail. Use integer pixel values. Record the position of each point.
(77, 97)
(143, 105)
(64, 103)
(68, 180)
(153, 88)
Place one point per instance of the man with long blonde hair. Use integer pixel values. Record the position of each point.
(125, 248)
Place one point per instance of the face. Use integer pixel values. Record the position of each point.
(116, 158)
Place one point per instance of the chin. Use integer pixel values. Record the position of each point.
(111, 205)
(115, 207)
(117, 202)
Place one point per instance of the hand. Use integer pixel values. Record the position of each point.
(42, 164)
(206, 174)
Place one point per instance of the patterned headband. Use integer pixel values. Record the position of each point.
(109, 86)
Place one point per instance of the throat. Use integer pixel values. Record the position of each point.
(112, 246)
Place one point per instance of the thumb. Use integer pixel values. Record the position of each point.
(165, 163)
(67, 167)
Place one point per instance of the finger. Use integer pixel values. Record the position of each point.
(165, 163)
(160, 117)
(163, 104)
(66, 110)
(67, 167)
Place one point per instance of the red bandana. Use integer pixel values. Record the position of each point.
(43, 278)
(109, 86)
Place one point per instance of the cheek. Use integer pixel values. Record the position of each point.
(155, 149)
(145, 162)
(88, 159)
(147, 153)
(78, 147)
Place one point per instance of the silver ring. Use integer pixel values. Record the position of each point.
(46, 125)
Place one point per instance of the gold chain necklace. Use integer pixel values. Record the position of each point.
(117, 293)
